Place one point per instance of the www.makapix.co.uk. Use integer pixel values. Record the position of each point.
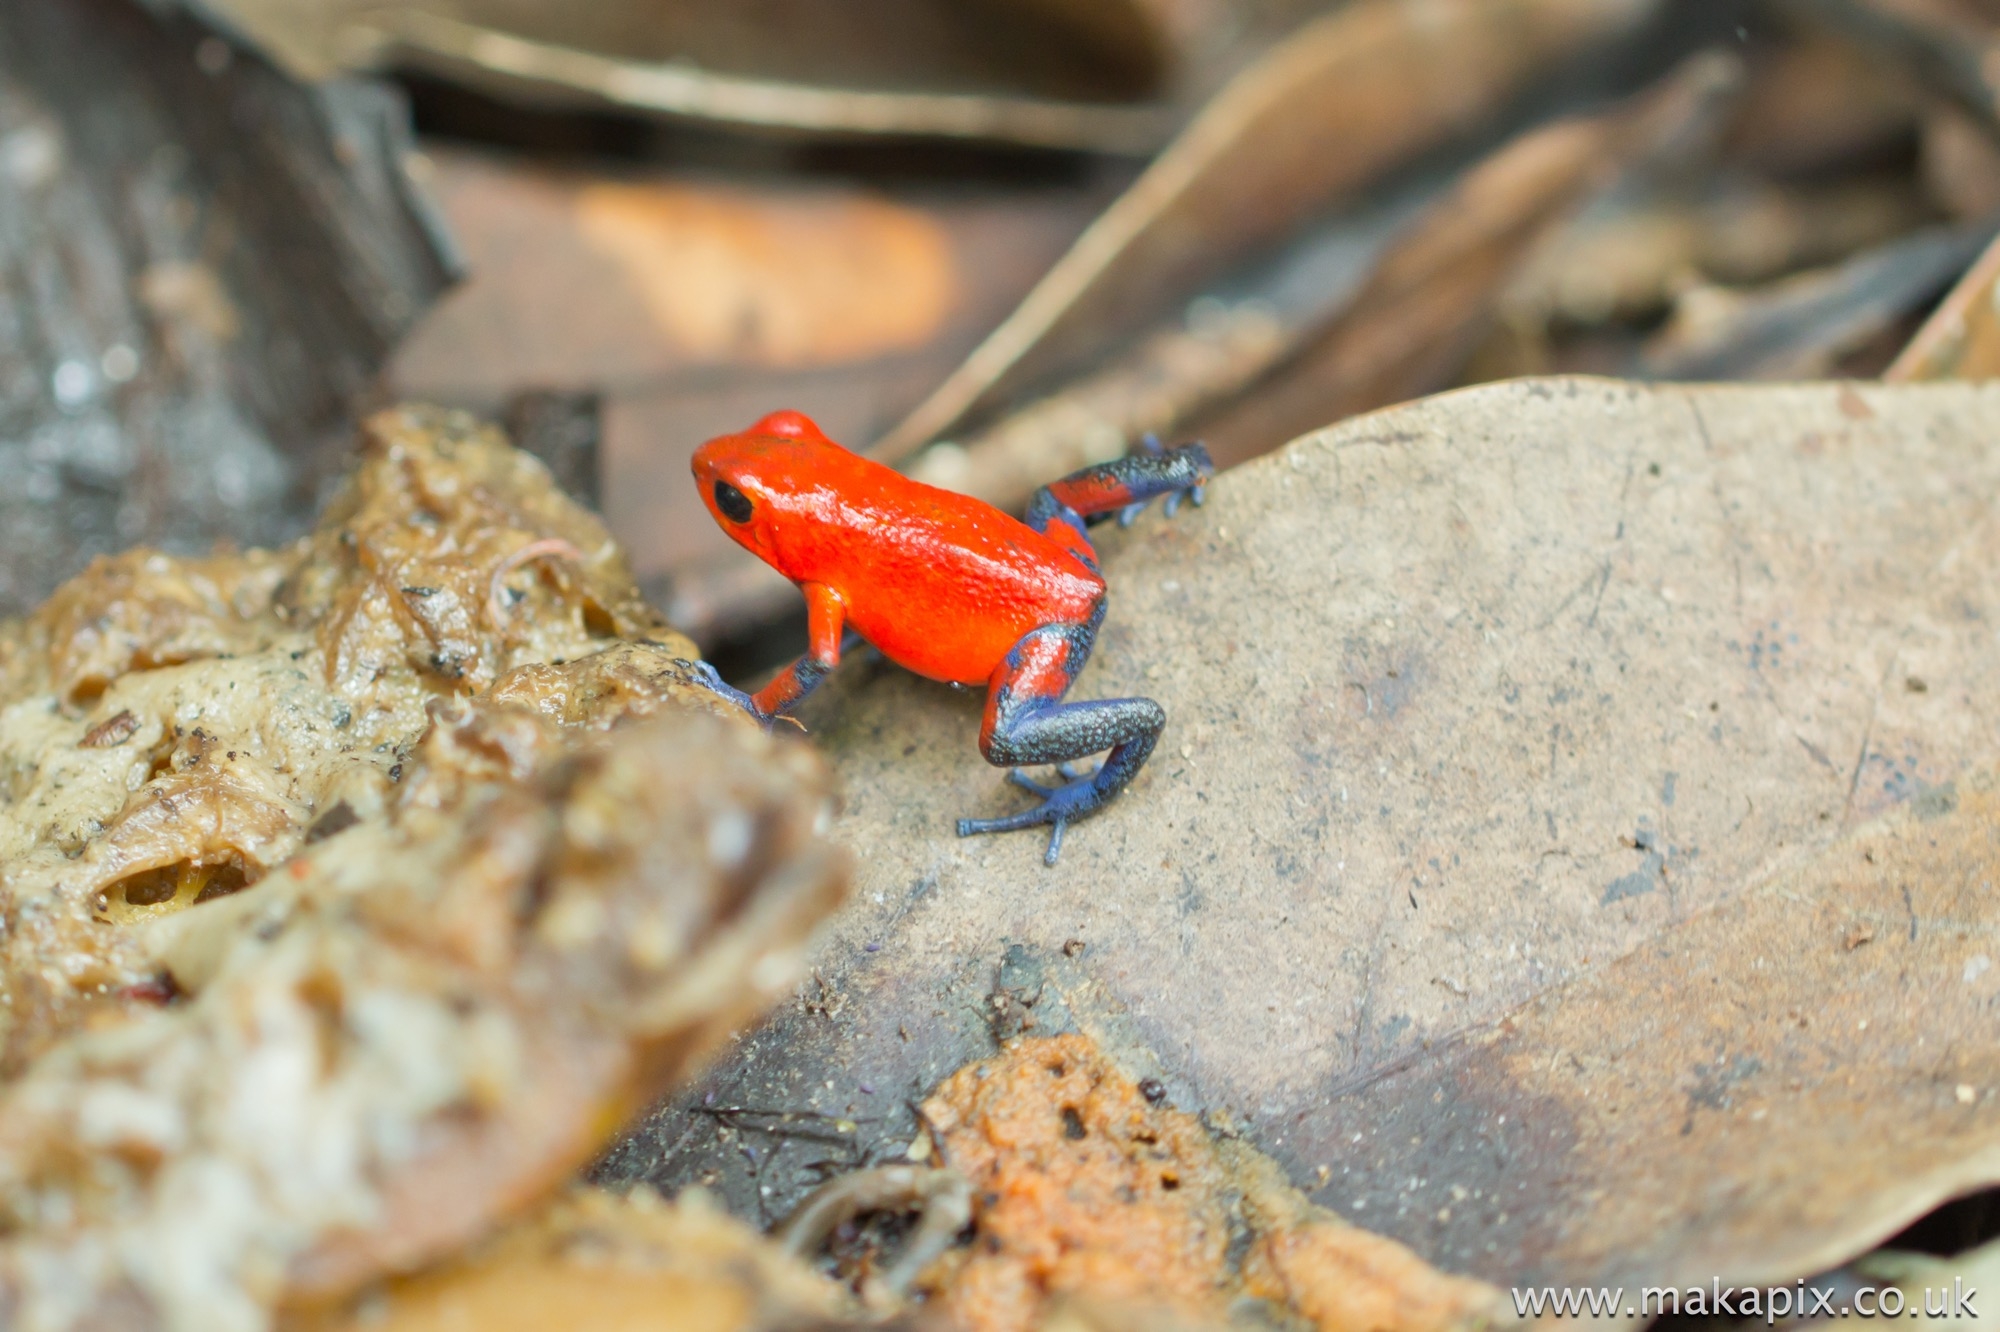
(1768, 1302)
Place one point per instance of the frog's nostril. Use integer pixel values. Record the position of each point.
(735, 505)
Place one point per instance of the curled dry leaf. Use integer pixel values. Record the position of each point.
(1961, 339)
(1538, 719)
(1628, 259)
(1799, 327)
(1382, 80)
(1432, 294)
(1151, 389)
(1247, 376)
(1077, 76)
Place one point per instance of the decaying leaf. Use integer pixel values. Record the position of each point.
(1525, 753)
(1086, 1185)
(1380, 79)
(357, 890)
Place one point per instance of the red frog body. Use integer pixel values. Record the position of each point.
(951, 588)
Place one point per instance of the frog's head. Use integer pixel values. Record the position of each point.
(762, 483)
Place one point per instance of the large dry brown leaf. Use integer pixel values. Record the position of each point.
(1317, 117)
(1495, 837)
(1757, 1093)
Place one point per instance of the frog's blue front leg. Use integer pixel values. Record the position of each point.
(1028, 723)
(825, 619)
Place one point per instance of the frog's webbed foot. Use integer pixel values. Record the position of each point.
(704, 674)
(1026, 783)
(1060, 806)
(941, 1197)
(1197, 492)
(711, 679)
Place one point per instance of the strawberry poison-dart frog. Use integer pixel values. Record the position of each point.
(953, 589)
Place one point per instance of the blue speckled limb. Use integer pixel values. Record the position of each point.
(1027, 723)
(1122, 489)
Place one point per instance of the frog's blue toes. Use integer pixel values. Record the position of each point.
(1061, 806)
(705, 675)
(1025, 819)
(1196, 495)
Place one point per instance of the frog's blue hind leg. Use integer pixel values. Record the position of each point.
(1027, 723)
(1124, 487)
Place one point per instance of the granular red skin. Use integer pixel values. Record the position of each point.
(941, 583)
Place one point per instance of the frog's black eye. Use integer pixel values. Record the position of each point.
(735, 505)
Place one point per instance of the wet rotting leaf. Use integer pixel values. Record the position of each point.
(1439, 681)
(204, 266)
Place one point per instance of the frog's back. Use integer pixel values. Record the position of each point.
(942, 583)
